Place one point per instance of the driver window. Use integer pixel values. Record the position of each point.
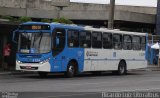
(58, 40)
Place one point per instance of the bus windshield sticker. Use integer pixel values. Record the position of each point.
(24, 51)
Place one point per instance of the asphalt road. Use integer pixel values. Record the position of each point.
(81, 86)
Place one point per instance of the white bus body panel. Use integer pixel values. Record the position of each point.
(108, 59)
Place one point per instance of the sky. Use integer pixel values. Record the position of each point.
(149, 3)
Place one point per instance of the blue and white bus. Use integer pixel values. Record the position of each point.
(54, 47)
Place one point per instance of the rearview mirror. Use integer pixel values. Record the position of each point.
(15, 36)
(57, 41)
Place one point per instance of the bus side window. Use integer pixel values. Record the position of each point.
(127, 42)
(136, 43)
(143, 43)
(73, 38)
(117, 41)
(85, 39)
(107, 40)
(58, 45)
(97, 39)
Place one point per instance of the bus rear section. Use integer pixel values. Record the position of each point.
(114, 50)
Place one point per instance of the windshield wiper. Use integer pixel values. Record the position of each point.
(41, 34)
(33, 40)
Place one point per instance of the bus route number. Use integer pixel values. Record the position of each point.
(36, 28)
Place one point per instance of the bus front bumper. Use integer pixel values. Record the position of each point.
(33, 67)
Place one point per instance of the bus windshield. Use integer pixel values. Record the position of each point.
(34, 42)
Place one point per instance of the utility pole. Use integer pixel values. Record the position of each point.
(158, 18)
(111, 14)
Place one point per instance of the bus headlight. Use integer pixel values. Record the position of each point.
(44, 61)
(19, 62)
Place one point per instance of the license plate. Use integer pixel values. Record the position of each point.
(28, 67)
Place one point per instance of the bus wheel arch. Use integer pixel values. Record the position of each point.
(72, 68)
(122, 67)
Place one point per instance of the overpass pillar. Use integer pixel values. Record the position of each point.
(158, 18)
(111, 14)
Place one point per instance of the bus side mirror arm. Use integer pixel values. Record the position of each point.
(13, 37)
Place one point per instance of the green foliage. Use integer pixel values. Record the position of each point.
(45, 20)
(24, 19)
(10, 18)
(13, 19)
(62, 20)
(55, 20)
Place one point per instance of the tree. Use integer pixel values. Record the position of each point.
(62, 20)
(45, 20)
(10, 18)
(24, 19)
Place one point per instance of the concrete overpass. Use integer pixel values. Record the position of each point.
(76, 11)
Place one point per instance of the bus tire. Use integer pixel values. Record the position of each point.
(43, 74)
(122, 69)
(71, 70)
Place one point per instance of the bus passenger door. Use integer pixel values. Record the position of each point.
(58, 49)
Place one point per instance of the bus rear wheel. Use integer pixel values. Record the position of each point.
(71, 70)
(122, 69)
(43, 74)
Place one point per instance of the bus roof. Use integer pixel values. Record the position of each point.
(114, 31)
(89, 28)
(70, 26)
(38, 23)
(54, 24)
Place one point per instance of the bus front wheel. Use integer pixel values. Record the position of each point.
(70, 70)
(122, 69)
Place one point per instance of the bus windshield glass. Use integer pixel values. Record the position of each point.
(34, 43)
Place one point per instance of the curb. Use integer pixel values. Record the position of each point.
(15, 73)
(5, 73)
(153, 68)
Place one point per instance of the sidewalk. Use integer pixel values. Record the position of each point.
(13, 72)
(4, 72)
(153, 67)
